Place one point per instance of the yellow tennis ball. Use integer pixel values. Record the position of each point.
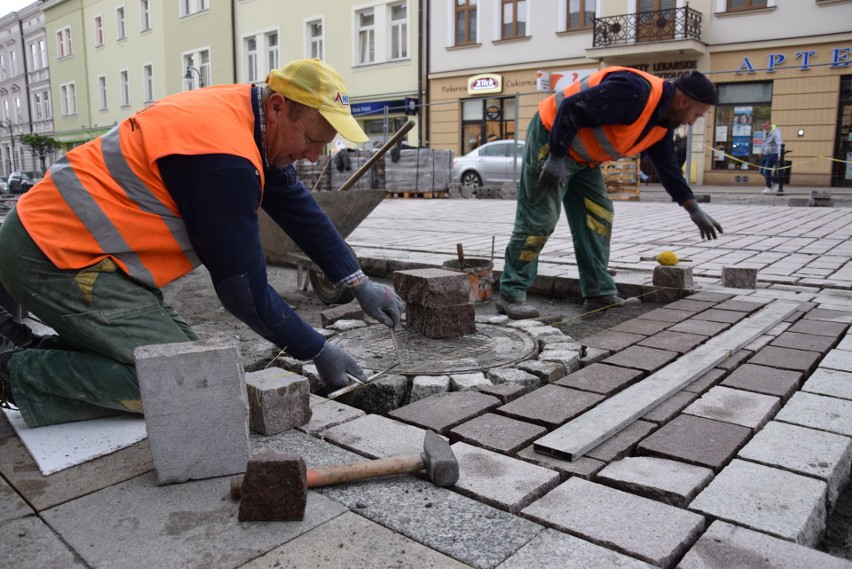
(667, 258)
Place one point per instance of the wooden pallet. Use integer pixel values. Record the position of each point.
(621, 178)
(412, 195)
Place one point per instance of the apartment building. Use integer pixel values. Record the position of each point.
(491, 62)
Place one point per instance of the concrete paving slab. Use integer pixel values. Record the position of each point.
(762, 379)
(846, 343)
(805, 451)
(807, 342)
(638, 357)
(818, 412)
(838, 359)
(666, 315)
(601, 378)
(12, 506)
(706, 381)
(735, 406)
(673, 341)
(831, 382)
(690, 305)
(747, 306)
(553, 549)
(611, 340)
(500, 481)
(623, 442)
(774, 501)
(550, 406)
(350, 540)
(819, 328)
(670, 408)
(583, 467)
(444, 411)
(709, 296)
(497, 433)
(669, 481)
(35, 545)
(43, 492)
(649, 530)
(330, 414)
(314, 451)
(181, 525)
(725, 316)
(457, 526)
(640, 326)
(725, 545)
(696, 440)
(837, 316)
(786, 358)
(375, 436)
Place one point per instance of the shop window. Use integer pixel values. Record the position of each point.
(738, 133)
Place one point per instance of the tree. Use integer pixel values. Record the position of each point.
(40, 145)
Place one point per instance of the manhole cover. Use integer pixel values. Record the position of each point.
(491, 346)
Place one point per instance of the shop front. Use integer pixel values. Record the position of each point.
(381, 119)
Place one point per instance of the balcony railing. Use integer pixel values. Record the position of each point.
(675, 23)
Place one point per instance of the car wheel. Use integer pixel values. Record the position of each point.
(471, 179)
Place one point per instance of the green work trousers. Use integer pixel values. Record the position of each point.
(589, 211)
(100, 316)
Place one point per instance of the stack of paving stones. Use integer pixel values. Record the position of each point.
(437, 302)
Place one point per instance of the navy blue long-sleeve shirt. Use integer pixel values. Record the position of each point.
(219, 197)
(619, 99)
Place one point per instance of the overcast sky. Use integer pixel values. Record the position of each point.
(7, 6)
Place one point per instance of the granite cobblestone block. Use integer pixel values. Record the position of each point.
(669, 481)
(762, 379)
(696, 440)
(497, 433)
(673, 341)
(818, 412)
(550, 406)
(786, 358)
(505, 392)
(640, 326)
(278, 400)
(443, 411)
(583, 467)
(553, 549)
(547, 372)
(432, 288)
(514, 375)
(642, 358)
(735, 406)
(601, 378)
(830, 382)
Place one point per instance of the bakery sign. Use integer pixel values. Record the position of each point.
(485, 83)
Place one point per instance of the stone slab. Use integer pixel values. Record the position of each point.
(671, 407)
(818, 328)
(468, 381)
(500, 481)
(818, 412)
(831, 382)
(583, 467)
(669, 481)
(12, 506)
(515, 376)
(785, 358)
(553, 549)
(601, 378)
(696, 440)
(550, 406)
(762, 379)
(505, 392)
(673, 341)
(672, 277)
(645, 529)
(423, 386)
(547, 372)
(724, 316)
(706, 381)
(196, 408)
(826, 456)
(840, 360)
(690, 305)
(638, 357)
(735, 360)
(735, 406)
(610, 340)
(173, 526)
(837, 316)
(621, 443)
(29, 542)
(725, 545)
(330, 414)
(740, 305)
(350, 540)
(770, 500)
(709, 296)
(640, 326)
(666, 315)
(455, 525)
(444, 411)
(807, 342)
(739, 277)
(375, 436)
(497, 433)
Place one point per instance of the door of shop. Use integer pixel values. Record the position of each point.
(841, 170)
(486, 120)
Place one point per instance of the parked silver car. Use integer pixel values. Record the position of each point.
(492, 163)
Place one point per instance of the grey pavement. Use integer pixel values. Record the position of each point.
(717, 476)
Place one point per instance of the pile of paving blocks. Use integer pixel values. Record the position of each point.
(437, 302)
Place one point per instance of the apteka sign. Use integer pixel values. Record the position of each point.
(840, 57)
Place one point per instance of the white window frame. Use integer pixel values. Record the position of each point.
(314, 45)
(42, 50)
(250, 58)
(144, 15)
(191, 7)
(273, 52)
(102, 93)
(365, 38)
(64, 47)
(148, 82)
(98, 23)
(68, 98)
(124, 87)
(201, 60)
(41, 102)
(398, 28)
(120, 23)
(13, 61)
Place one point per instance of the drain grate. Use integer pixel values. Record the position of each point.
(491, 346)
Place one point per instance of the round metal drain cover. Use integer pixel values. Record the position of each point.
(491, 346)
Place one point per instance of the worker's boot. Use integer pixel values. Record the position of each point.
(515, 310)
(19, 334)
(7, 350)
(591, 303)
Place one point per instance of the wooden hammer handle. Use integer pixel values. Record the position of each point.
(338, 473)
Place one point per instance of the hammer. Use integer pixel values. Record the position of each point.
(268, 491)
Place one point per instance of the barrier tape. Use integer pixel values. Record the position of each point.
(714, 152)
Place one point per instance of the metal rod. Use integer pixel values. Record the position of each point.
(379, 153)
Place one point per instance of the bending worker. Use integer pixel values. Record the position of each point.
(176, 185)
(614, 112)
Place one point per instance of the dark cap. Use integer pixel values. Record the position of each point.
(696, 86)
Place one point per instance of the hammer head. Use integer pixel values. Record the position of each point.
(439, 461)
(274, 488)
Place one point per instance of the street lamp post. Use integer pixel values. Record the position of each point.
(188, 76)
(8, 124)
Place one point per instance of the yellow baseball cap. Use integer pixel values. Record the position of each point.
(316, 84)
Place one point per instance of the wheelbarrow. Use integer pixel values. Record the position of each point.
(345, 209)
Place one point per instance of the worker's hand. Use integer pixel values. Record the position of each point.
(333, 364)
(551, 173)
(706, 224)
(379, 301)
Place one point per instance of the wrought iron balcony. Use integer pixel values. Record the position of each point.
(643, 27)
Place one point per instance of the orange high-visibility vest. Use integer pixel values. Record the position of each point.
(106, 199)
(607, 142)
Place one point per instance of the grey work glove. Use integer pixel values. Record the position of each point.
(706, 224)
(379, 301)
(551, 173)
(333, 364)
